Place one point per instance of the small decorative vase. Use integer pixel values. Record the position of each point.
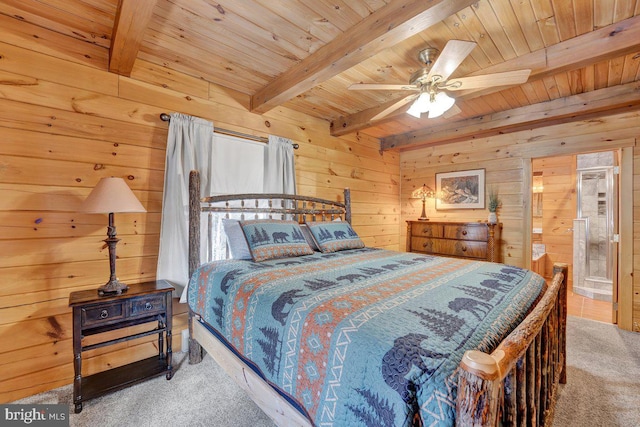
(493, 218)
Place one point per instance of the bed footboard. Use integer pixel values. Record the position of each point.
(517, 384)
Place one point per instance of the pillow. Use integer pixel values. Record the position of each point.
(309, 237)
(235, 239)
(272, 238)
(334, 236)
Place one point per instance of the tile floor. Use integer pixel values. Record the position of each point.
(580, 306)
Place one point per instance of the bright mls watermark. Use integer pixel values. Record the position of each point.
(52, 415)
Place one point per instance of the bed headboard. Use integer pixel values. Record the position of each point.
(277, 206)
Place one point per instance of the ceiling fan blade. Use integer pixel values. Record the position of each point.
(391, 108)
(488, 80)
(452, 111)
(450, 58)
(381, 86)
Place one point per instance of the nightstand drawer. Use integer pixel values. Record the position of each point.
(142, 306)
(102, 313)
(426, 229)
(147, 306)
(466, 232)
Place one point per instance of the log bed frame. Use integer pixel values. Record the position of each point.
(517, 384)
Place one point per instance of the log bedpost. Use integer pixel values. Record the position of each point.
(562, 314)
(195, 349)
(347, 205)
(478, 390)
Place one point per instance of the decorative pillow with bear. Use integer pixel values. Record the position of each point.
(271, 238)
(334, 236)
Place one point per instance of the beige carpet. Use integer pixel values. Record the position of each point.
(603, 377)
(603, 389)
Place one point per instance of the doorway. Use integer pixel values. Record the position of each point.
(574, 212)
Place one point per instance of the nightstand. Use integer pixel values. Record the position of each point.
(92, 314)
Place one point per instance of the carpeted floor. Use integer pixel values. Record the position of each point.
(603, 389)
(603, 376)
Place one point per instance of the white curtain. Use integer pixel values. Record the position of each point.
(238, 168)
(279, 169)
(189, 146)
(227, 165)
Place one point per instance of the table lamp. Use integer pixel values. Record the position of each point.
(112, 195)
(423, 193)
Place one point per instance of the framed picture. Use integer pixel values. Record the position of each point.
(460, 190)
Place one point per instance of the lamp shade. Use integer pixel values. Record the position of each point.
(441, 103)
(436, 103)
(111, 195)
(420, 105)
(424, 192)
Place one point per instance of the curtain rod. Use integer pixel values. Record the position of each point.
(167, 118)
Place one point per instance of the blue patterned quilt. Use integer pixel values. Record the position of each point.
(363, 337)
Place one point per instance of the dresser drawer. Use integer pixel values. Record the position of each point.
(457, 248)
(426, 229)
(146, 305)
(466, 232)
(474, 240)
(463, 248)
(102, 313)
(424, 244)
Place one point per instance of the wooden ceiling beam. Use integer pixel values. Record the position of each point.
(383, 29)
(606, 43)
(132, 18)
(587, 105)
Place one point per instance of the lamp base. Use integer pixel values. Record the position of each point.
(113, 287)
(423, 219)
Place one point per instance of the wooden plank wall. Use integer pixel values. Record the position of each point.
(66, 122)
(558, 209)
(507, 159)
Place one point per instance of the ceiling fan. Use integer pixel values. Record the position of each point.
(431, 82)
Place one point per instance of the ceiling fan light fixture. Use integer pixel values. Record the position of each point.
(420, 105)
(414, 112)
(440, 104)
(433, 103)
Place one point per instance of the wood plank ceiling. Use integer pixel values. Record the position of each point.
(584, 55)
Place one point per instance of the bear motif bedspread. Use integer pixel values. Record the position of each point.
(363, 337)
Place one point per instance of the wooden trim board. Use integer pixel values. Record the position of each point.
(267, 398)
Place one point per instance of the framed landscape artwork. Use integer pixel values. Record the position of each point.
(460, 190)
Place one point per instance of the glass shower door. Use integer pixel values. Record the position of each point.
(595, 191)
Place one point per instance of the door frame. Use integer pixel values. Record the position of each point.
(624, 290)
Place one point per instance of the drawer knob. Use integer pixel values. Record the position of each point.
(104, 314)
(148, 306)
(464, 232)
(464, 249)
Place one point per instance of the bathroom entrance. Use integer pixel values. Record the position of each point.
(594, 236)
(574, 220)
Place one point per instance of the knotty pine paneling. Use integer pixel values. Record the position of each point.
(65, 124)
(504, 157)
(558, 209)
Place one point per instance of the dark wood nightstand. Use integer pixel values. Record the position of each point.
(92, 314)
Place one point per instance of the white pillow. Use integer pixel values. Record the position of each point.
(235, 239)
(309, 237)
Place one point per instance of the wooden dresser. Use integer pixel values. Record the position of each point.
(474, 240)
